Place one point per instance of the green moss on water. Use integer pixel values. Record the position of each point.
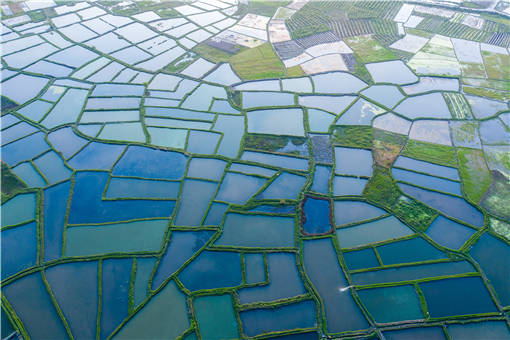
(465, 133)
(500, 227)
(181, 63)
(483, 92)
(10, 183)
(353, 136)
(497, 197)
(268, 143)
(476, 177)
(458, 105)
(434, 153)
(234, 97)
(7, 104)
(503, 85)
(271, 143)
(496, 65)
(383, 191)
(472, 70)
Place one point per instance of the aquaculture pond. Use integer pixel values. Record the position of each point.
(229, 169)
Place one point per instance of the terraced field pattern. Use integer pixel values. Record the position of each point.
(289, 170)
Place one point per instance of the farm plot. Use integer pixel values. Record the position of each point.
(350, 28)
(307, 21)
(453, 29)
(316, 39)
(410, 43)
(499, 39)
(257, 63)
(326, 63)
(288, 49)
(458, 105)
(369, 49)
(278, 31)
(493, 62)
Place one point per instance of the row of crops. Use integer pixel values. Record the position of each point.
(457, 104)
(492, 32)
(349, 28)
(345, 18)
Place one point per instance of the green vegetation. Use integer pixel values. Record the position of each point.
(472, 70)
(271, 143)
(483, 92)
(497, 19)
(283, 13)
(148, 4)
(163, 8)
(308, 30)
(470, 4)
(262, 142)
(369, 50)
(475, 175)
(458, 105)
(452, 29)
(497, 197)
(181, 63)
(345, 18)
(235, 97)
(496, 65)
(406, 56)
(502, 85)
(382, 190)
(307, 21)
(7, 104)
(168, 13)
(361, 71)
(258, 63)
(465, 132)
(434, 153)
(387, 146)
(262, 7)
(500, 227)
(10, 183)
(295, 71)
(385, 28)
(37, 16)
(126, 11)
(353, 136)
(419, 33)
(499, 158)
(212, 54)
